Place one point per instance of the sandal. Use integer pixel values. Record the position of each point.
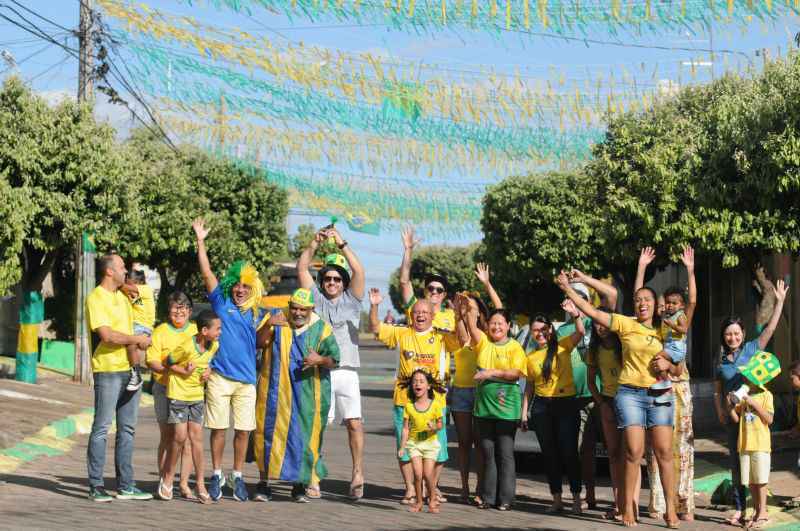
(356, 491)
(313, 493)
(188, 494)
(408, 500)
(204, 498)
(734, 520)
(759, 523)
(164, 493)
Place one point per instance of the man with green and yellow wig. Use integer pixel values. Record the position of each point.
(231, 390)
(294, 396)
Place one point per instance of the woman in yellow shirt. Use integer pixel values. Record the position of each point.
(555, 412)
(605, 356)
(638, 408)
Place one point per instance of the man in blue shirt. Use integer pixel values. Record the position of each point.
(231, 387)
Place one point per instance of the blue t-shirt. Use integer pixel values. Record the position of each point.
(236, 357)
(727, 371)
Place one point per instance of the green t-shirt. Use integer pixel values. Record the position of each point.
(578, 364)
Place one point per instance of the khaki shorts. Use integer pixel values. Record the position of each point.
(427, 449)
(224, 395)
(755, 467)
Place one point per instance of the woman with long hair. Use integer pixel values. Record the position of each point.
(735, 352)
(554, 412)
(638, 409)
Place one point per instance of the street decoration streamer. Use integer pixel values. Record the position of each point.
(497, 16)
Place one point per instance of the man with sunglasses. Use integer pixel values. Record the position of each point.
(444, 320)
(338, 297)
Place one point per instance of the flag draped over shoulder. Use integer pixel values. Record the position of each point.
(292, 405)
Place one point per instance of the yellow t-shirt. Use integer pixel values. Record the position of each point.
(753, 433)
(561, 382)
(443, 319)
(429, 350)
(609, 365)
(144, 307)
(165, 339)
(466, 365)
(418, 420)
(111, 309)
(189, 388)
(666, 331)
(640, 344)
(509, 355)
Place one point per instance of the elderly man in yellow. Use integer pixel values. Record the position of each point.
(294, 397)
(109, 318)
(420, 345)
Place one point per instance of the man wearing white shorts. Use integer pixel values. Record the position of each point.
(338, 297)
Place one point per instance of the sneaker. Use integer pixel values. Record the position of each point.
(99, 494)
(133, 493)
(215, 487)
(263, 492)
(135, 381)
(239, 489)
(299, 494)
(662, 385)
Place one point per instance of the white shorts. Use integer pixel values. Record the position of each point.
(345, 395)
(755, 467)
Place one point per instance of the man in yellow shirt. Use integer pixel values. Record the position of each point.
(109, 318)
(420, 345)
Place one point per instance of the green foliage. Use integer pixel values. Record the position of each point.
(456, 264)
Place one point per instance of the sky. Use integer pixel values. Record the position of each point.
(53, 72)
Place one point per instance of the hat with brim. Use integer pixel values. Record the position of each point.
(302, 297)
(338, 263)
(435, 277)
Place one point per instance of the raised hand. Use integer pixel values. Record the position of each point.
(200, 230)
(409, 239)
(647, 255)
(569, 307)
(562, 280)
(781, 289)
(375, 297)
(687, 257)
(482, 272)
(576, 275)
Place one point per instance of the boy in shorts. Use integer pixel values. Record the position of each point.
(143, 308)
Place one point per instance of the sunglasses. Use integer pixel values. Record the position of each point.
(435, 289)
(335, 280)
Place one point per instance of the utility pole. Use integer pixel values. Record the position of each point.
(84, 250)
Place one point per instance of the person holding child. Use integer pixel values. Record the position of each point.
(166, 337)
(188, 372)
(422, 419)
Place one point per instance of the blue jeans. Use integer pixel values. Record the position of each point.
(638, 406)
(739, 493)
(556, 422)
(110, 397)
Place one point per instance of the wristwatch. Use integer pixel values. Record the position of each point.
(342, 245)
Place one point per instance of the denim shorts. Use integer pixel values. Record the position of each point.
(462, 399)
(638, 406)
(676, 350)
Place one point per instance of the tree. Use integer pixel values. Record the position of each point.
(534, 226)
(457, 264)
(65, 172)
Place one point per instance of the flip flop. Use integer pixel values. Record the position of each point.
(440, 497)
(356, 491)
(188, 495)
(737, 522)
(313, 493)
(408, 500)
(758, 524)
(204, 497)
(163, 493)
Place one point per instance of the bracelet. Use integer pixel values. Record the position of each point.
(342, 245)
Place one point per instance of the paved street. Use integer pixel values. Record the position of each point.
(50, 492)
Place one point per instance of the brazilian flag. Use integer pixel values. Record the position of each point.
(761, 369)
(363, 223)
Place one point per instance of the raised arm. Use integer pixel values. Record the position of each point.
(583, 305)
(304, 277)
(646, 257)
(482, 272)
(580, 330)
(357, 281)
(608, 292)
(200, 230)
(781, 290)
(682, 325)
(375, 299)
(409, 242)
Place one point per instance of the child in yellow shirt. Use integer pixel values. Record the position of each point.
(143, 308)
(188, 372)
(754, 413)
(422, 419)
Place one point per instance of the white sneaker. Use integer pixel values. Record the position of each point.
(135, 381)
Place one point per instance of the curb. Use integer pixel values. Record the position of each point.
(780, 520)
(54, 439)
